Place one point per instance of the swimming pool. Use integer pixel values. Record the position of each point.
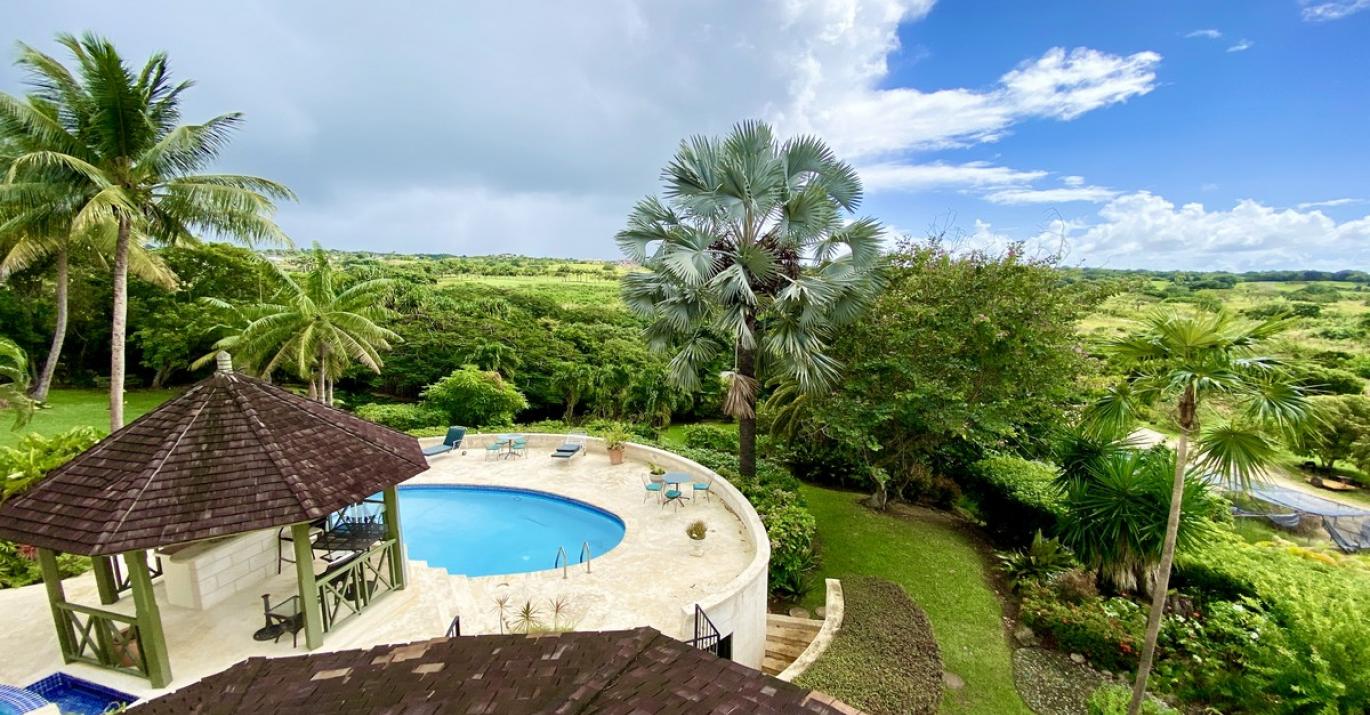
(487, 531)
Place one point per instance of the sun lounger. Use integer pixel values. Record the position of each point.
(574, 444)
(451, 442)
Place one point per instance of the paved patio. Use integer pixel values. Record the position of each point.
(649, 579)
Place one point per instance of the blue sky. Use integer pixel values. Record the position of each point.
(1162, 135)
(1250, 102)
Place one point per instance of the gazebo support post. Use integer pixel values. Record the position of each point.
(309, 590)
(52, 581)
(105, 583)
(151, 639)
(399, 568)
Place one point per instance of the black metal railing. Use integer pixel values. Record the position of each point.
(454, 630)
(123, 583)
(707, 636)
(104, 638)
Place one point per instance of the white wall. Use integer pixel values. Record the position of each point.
(203, 574)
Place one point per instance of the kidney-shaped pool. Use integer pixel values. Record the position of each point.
(485, 531)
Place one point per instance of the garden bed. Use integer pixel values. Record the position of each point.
(885, 659)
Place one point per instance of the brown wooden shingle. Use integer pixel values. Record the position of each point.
(637, 671)
(232, 454)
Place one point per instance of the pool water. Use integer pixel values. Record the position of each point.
(487, 531)
(76, 696)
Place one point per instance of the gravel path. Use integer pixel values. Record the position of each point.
(1051, 684)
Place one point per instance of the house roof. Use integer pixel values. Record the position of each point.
(636, 671)
(233, 454)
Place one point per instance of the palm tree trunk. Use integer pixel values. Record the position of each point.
(1172, 529)
(119, 326)
(59, 331)
(746, 424)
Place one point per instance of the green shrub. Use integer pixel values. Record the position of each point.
(35, 455)
(1107, 631)
(1041, 560)
(1114, 699)
(476, 398)
(715, 437)
(1318, 603)
(1205, 656)
(20, 466)
(1019, 497)
(402, 416)
(885, 659)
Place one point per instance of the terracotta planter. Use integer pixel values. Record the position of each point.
(616, 456)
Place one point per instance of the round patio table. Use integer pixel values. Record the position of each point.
(675, 479)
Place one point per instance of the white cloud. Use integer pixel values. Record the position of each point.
(1334, 10)
(1329, 203)
(1073, 180)
(939, 175)
(1206, 34)
(862, 121)
(1145, 230)
(1095, 194)
(1242, 46)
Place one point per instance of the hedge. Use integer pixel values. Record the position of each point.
(1018, 498)
(885, 658)
(403, 416)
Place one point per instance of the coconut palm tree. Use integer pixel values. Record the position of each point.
(110, 139)
(315, 325)
(1184, 362)
(751, 251)
(38, 244)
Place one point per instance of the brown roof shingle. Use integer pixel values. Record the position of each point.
(620, 672)
(232, 454)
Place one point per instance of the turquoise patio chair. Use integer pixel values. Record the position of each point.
(672, 496)
(650, 488)
(704, 486)
(494, 448)
(518, 447)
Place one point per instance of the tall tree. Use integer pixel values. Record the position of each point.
(1185, 362)
(111, 139)
(14, 382)
(318, 326)
(751, 251)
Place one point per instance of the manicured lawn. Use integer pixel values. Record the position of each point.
(674, 435)
(943, 572)
(73, 408)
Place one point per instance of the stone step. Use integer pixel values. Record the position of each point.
(772, 666)
(800, 640)
(776, 619)
(789, 655)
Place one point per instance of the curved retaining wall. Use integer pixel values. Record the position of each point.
(739, 608)
(835, 608)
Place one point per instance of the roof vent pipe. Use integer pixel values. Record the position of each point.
(224, 361)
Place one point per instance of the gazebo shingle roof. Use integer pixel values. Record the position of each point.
(233, 454)
(619, 672)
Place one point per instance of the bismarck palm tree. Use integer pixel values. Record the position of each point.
(1184, 362)
(752, 251)
(110, 139)
(315, 326)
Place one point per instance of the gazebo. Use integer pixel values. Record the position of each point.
(231, 456)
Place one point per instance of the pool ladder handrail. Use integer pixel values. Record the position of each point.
(563, 560)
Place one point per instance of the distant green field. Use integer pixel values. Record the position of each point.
(67, 408)
(568, 291)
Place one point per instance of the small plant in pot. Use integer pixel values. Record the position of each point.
(615, 440)
(697, 531)
(657, 471)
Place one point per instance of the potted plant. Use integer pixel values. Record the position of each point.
(615, 440)
(697, 531)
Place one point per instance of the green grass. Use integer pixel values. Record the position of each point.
(943, 572)
(674, 435)
(67, 408)
(566, 291)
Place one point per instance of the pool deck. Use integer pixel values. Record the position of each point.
(651, 578)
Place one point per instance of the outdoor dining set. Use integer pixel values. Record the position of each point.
(669, 487)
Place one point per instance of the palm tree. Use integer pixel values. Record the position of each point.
(1117, 507)
(31, 247)
(1191, 361)
(315, 326)
(109, 139)
(751, 251)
